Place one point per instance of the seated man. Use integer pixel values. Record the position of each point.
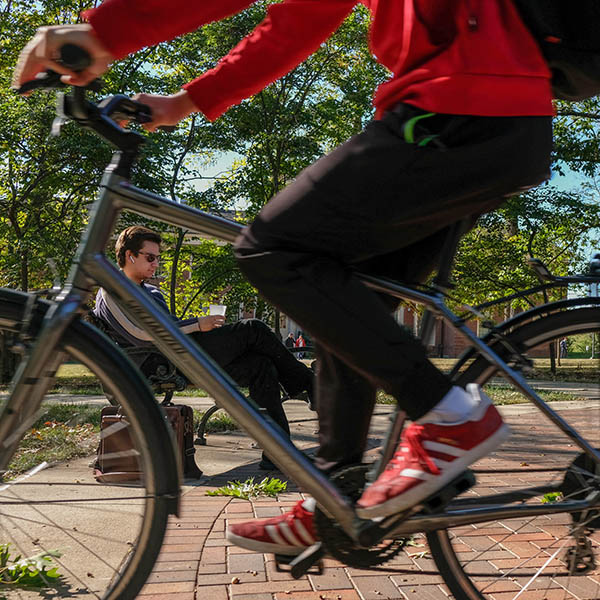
(247, 350)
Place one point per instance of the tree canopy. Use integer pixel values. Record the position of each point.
(47, 184)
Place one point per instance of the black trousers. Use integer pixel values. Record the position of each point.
(254, 357)
(380, 205)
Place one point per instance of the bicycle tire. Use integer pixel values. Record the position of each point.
(109, 535)
(489, 572)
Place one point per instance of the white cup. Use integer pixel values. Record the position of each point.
(217, 309)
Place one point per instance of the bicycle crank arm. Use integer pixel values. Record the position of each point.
(372, 532)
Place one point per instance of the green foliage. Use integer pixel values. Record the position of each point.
(545, 223)
(576, 130)
(275, 134)
(248, 489)
(47, 184)
(552, 497)
(32, 571)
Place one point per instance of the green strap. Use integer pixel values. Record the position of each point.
(409, 129)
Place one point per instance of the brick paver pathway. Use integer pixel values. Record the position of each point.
(196, 562)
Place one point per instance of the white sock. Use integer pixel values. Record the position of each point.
(454, 407)
(309, 504)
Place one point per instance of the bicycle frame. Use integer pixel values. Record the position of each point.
(91, 267)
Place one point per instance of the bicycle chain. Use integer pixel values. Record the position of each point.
(351, 481)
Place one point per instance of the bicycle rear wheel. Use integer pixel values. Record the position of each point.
(530, 557)
(108, 535)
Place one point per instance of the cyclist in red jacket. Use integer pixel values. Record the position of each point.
(463, 122)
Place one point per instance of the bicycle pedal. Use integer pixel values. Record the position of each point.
(443, 497)
(299, 565)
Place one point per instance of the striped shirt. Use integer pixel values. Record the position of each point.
(124, 331)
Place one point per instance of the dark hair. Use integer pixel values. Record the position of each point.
(133, 239)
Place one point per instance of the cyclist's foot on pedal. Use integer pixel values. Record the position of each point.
(289, 534)
(430, 455)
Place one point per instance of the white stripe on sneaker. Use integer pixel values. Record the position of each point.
(274, 535)
(415, 474)
(303, 533)
(444, 448)
(289, 535)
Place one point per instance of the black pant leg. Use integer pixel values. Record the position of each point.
(259, 374)
(345, 401)
(252, 336)
(369, 198)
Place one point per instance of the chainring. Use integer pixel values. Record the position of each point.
(581, 478)
(351, 482)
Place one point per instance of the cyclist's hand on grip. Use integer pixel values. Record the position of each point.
(43, 52)
(166, 110)
(210, 322)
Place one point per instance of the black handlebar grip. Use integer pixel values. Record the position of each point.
(75, 58)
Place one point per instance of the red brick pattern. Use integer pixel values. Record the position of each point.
(197, 562)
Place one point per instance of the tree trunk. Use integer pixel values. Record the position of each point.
(551, 345)
(277, 327)
(25, 270)
(173, 282)
(8, 359)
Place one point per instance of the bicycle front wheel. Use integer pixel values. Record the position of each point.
(102, 538)
(543, 557)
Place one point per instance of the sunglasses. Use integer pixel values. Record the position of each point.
(150, 257)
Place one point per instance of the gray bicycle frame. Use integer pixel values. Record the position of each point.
(91, 267)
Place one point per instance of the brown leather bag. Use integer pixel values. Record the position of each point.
(116, 460)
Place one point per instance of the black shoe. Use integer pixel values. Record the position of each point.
(266, 464)
(307, 397)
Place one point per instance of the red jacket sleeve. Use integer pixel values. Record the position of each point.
(125, 26)
(291, 32)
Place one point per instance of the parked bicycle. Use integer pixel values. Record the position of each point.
(46, 509)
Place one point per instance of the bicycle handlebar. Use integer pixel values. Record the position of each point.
(103, 117)
(73, 57)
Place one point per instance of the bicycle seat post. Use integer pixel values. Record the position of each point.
(441, 282)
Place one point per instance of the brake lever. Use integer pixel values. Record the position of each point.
(123, 108)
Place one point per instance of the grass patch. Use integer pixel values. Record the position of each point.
(583, 370)
(502, 395)
(63, 432)
(192, 392)
(248, 489)
(77, 379)
(67, 431)
(218, 423)
(552, 497)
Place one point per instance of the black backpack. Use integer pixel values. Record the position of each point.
(568, 33)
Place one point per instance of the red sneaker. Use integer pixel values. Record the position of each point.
(431, 455)
(290, 533)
